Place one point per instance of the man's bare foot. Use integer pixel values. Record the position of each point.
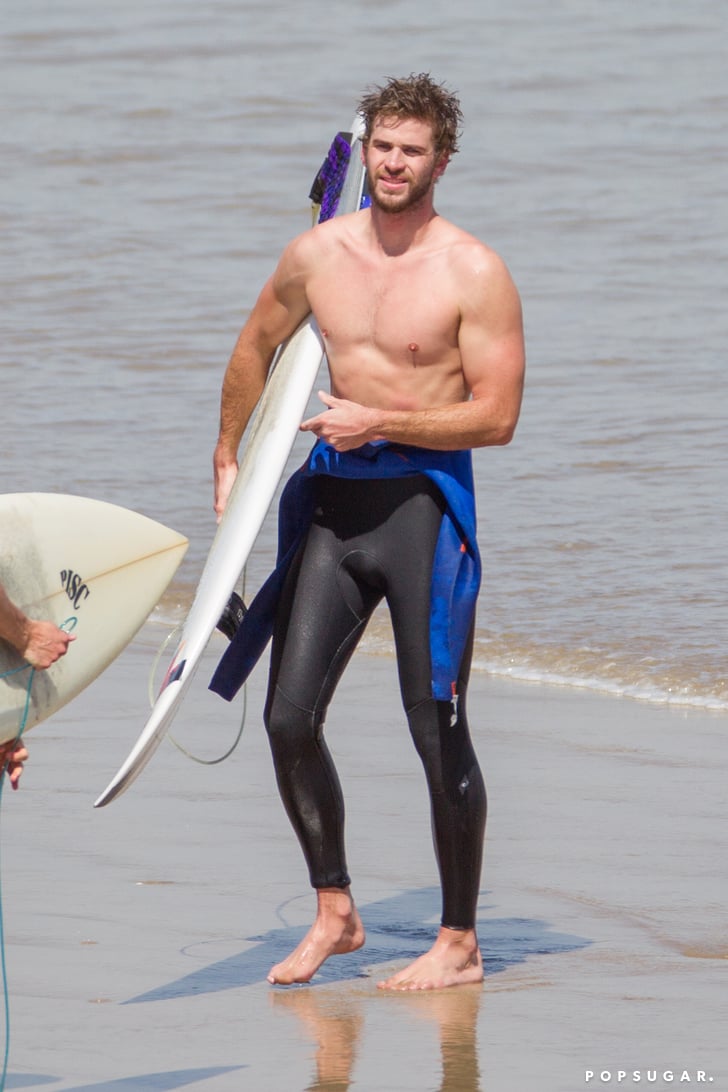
(453, 960)
(337, 930)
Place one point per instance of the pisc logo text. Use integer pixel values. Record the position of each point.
(649, 1076)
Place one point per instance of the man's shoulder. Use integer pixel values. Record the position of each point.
(466, 247)
(469, 258)
(321, 238)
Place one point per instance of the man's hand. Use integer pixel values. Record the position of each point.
(225, 475)
(345, 425)
(46, 643)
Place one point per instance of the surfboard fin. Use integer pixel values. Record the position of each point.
(232, 616)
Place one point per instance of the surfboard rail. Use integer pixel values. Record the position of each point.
(271, 437)
(87, 565)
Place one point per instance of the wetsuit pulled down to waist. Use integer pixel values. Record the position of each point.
(455, 571)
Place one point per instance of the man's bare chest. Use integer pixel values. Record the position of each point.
(388, 307)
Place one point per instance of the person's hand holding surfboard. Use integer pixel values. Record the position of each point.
(224, 481)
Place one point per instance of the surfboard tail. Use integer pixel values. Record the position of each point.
(147, 743)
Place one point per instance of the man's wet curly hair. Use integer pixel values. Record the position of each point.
(416, 97)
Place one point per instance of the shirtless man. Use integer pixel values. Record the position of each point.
(41, 644)
(424, 338)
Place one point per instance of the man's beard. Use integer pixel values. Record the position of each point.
(399, 202)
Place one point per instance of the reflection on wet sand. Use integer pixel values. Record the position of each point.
(334, 1020)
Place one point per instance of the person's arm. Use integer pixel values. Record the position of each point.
(492, 352)
(40, 643)
(279, 309)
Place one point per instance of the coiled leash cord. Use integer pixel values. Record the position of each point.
(228, 624)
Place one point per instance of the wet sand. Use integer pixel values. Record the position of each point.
(138, 937)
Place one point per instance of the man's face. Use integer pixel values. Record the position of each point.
(401, 163)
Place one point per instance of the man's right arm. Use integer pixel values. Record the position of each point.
(279, 309)
(41, 644)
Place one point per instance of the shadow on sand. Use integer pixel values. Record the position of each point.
(150, 1082)
(333, 1019)
(398, 928)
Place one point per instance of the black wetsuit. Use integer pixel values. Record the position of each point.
(371, 539)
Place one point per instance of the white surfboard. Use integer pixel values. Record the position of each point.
(90, 567)
(273, 431)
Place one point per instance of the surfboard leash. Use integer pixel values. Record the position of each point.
(24, 714)
(230, 620)
(3, 968)
(223, 757)
(3, 965)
